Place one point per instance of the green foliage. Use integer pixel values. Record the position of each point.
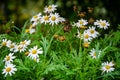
(64, 56)
(62, 60)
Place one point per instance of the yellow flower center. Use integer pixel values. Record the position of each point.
(92, 31)
(23, 42)
(86, 44)
(7, 58)
(81, 22)
(94, 54)
(107, 67)
(83, 27)
(4, 43)
(86, 36)
(103, 24)
(34, 51)
(19, 48)
(35, 17)
(50, 7)
(53, 18)
(46, 18)
(11, 46)
(8, 69)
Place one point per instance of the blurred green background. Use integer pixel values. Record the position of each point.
(18, 11)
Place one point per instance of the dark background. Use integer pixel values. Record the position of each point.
(20, 11)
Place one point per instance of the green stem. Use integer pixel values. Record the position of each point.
(80, 47)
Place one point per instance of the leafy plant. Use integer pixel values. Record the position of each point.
(45, 51)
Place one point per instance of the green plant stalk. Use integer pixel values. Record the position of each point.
(80, 72)
(80, 47)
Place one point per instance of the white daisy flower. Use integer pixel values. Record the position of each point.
(50, 8)
(74, 24)
(25, 43)
(97, 22)
(54, 18)
(81, 22)
(12, 46)
(79, 35)
(61, 19)
(103, 24)
(86, 44)
(35, 23)
(31, 30)
(6, 42)
(93, 32)
(107, 67)
(9, 69)
(9, 58)
(94, 54)
(20, 48)
(45, 19)
(87, 36)
(34, 52)
(36, 18)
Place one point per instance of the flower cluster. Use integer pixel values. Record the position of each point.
(10, 68)
(87, 33)
(21, 47)
(13, 47)
(49, 17)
